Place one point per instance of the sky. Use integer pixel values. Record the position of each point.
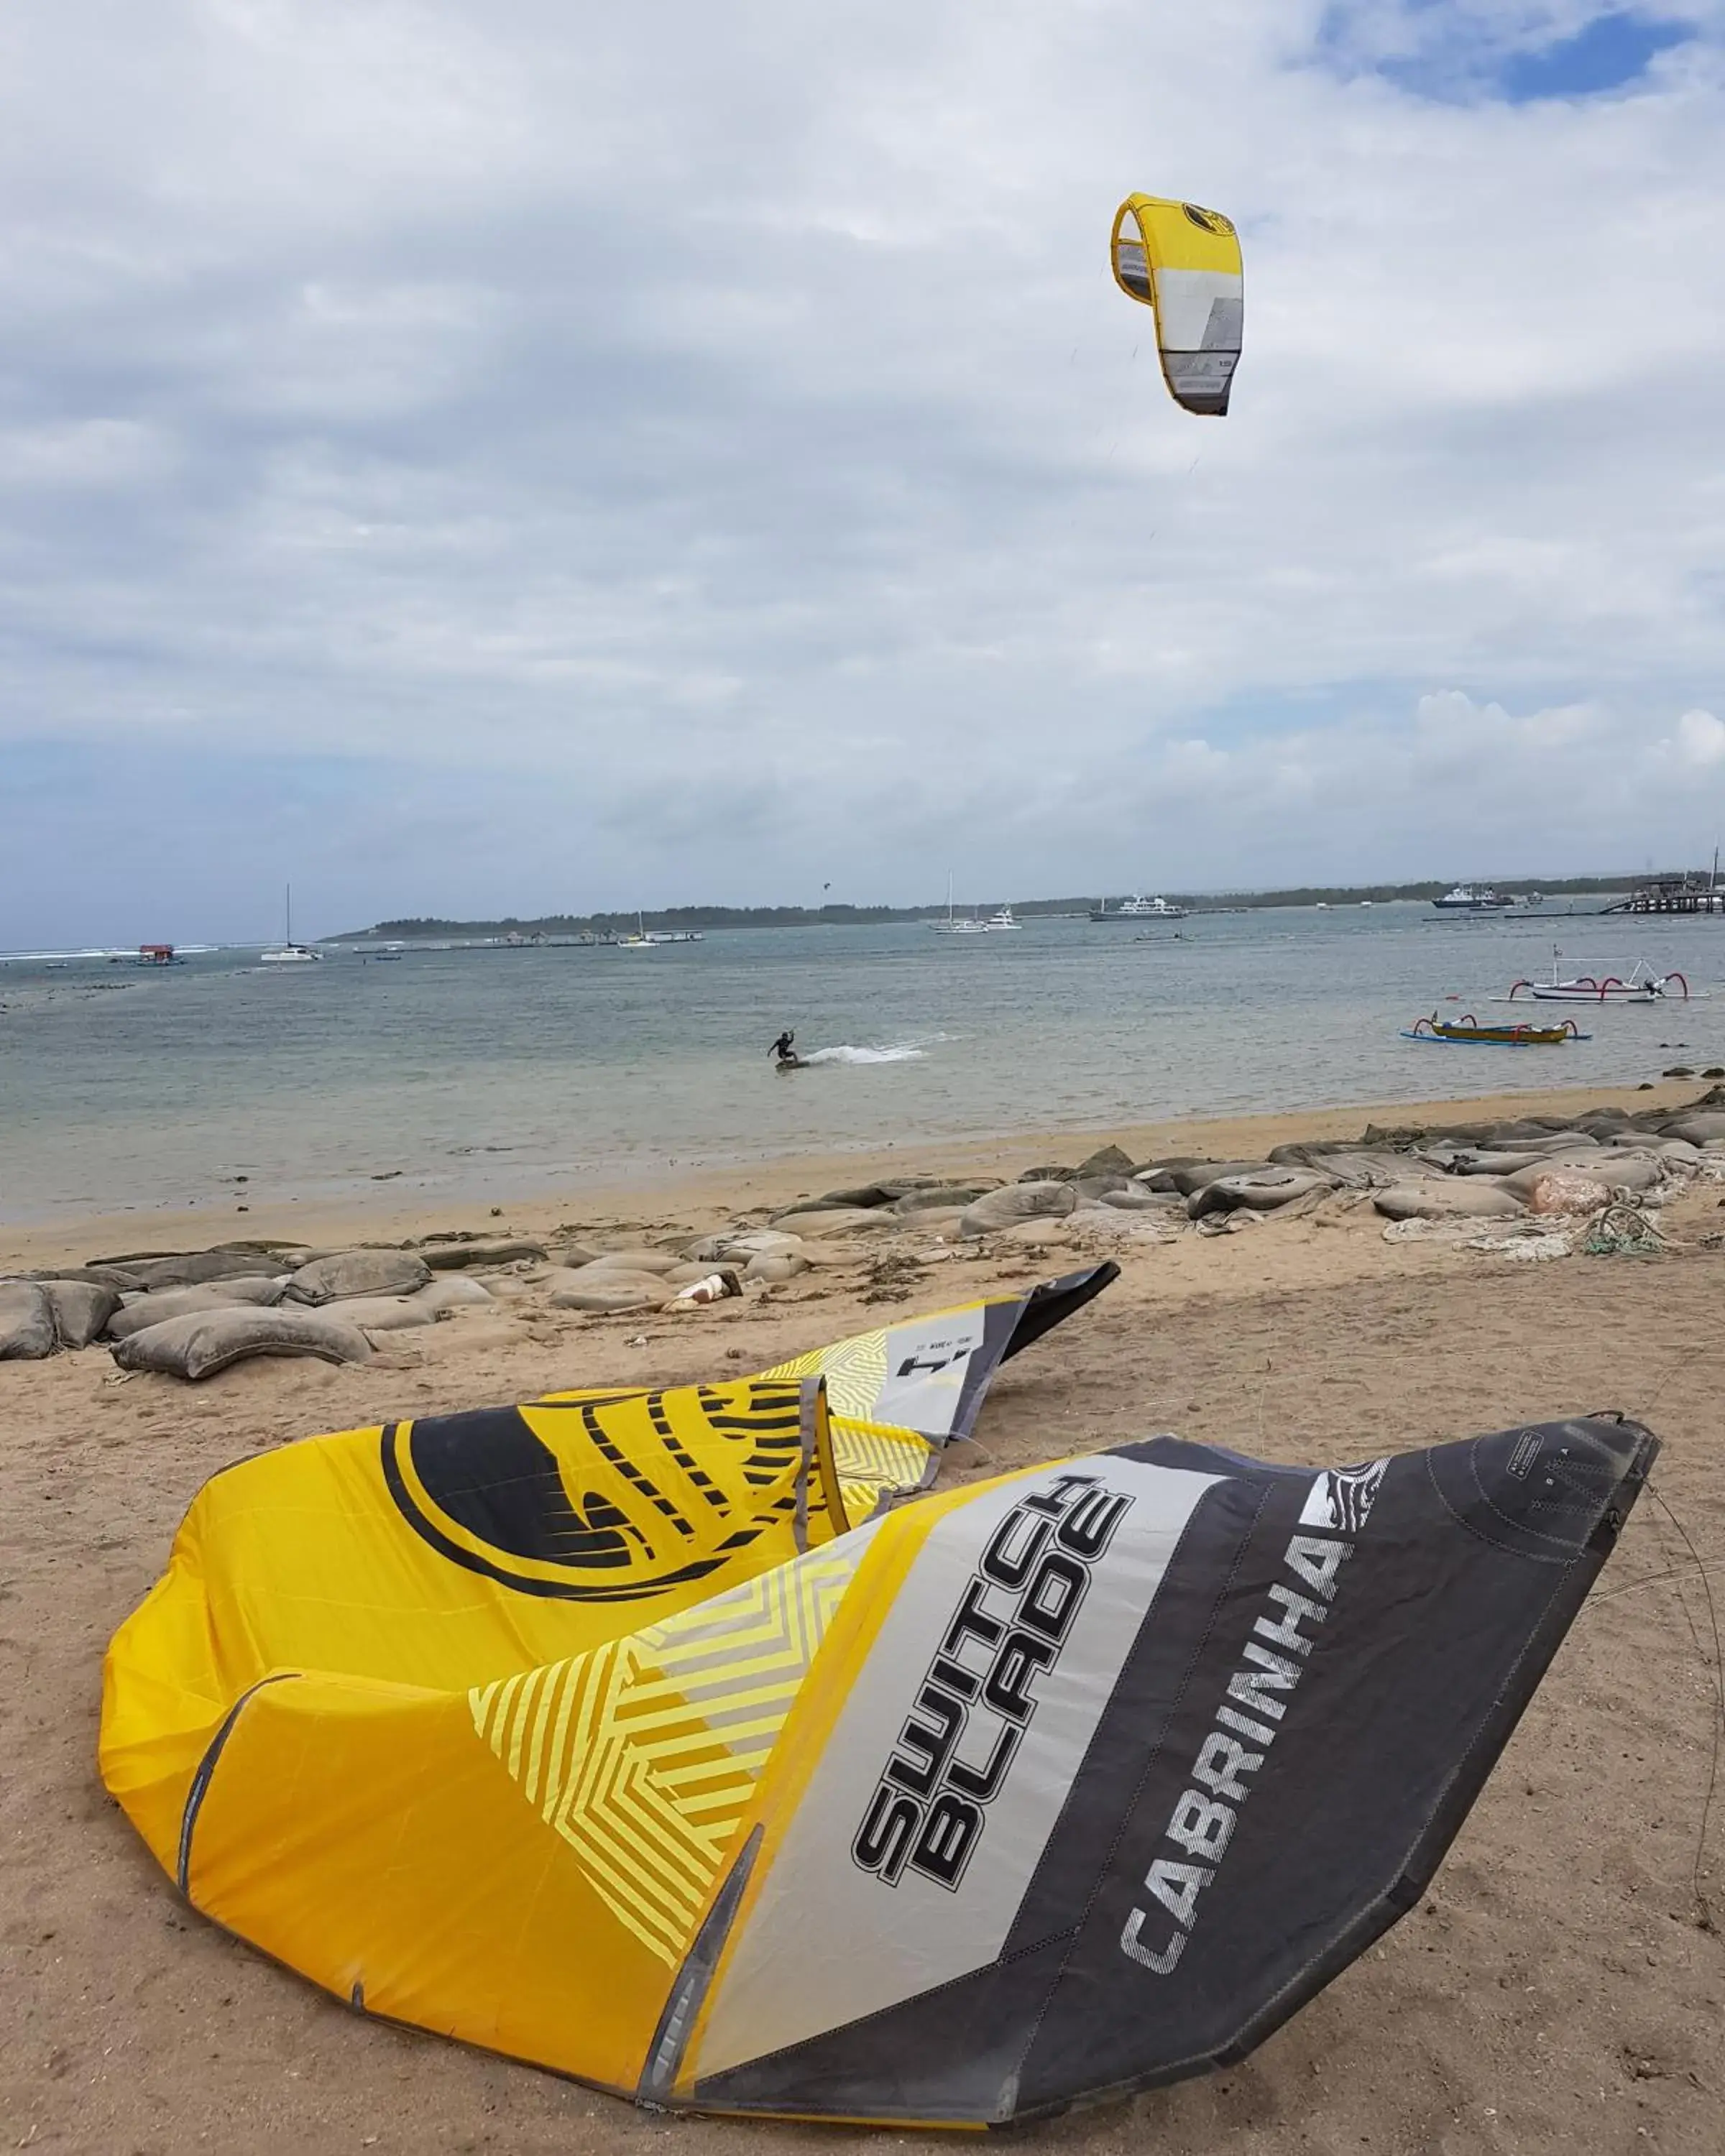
(544, 456)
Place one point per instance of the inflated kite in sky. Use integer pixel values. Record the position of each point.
(1184, 263)
(595, 1733)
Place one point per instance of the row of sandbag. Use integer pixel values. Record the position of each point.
(194, 1312)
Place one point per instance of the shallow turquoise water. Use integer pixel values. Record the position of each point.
(503, 1071)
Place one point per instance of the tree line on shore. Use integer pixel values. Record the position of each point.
(839, 915)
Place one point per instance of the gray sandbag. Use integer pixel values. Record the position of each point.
(451, 1291)
(457, 1257)
(1497, 1160)
(349, 1273)
(1348, 1168)
(1617, 1168)
(1447, 1199)
(613, 1291)
(80, 1309)
(1505, 1138)
(740, 1244)
(205, 1341)
(1106, 1160)
(1186, 1180)
(941, 1197)
(27, 1327)
(387, 1313)
(1158, 1175)
(192, 1268)
(1017, 1202)
(1265, 1190)
(139, 1311)
(1133, 1198)
(838, 1220)
(1699, 1130)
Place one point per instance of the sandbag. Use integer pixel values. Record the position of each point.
(1700, 1129)
(1106, 1160)
(740, 1244)
(838, 1220)
(387, 1313)
(941, 1197)
(1617, 1169)
(601, 1292)
(348, 1273)
(1016, 1201)
(1263, 1191)
(205, 1341)
(457, 1257)
(1092, 1189)
(452, 1291)
(1186, 1180)
(1348, 1168)
(191, 1268)
(1158, 1175)
(137, 1312)
(27, 1327)
(1446, 1199)
(1564, 1190)
(80, 1309)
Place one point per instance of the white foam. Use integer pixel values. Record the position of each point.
(907, 1052)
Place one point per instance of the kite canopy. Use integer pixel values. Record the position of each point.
(1054, 1784)
(1184, 263)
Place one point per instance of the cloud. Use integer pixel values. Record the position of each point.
(592, 457)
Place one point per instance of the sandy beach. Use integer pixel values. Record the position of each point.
(1563, 1987)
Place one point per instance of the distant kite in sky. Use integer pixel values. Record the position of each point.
(1184, 263)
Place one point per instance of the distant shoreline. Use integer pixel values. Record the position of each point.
(412, 928)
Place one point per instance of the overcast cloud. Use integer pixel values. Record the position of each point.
(527, 456)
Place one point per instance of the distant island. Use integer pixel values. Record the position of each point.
(426, 928)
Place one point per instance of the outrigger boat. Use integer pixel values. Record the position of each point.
(1643, 986)
(1469, 1029)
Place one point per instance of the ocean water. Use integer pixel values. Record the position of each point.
(507, 1072)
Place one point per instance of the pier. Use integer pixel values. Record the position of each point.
(1693, 891)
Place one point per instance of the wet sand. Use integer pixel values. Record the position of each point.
(1557, 1990)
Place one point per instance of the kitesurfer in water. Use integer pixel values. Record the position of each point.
(782, 1047)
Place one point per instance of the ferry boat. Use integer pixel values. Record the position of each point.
(1474, 898)
(1138, 909)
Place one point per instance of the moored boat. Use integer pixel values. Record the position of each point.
(1138, 909)
(1468, 1031)
(1642, 986)
(1474, 898)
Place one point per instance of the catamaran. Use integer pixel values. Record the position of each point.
(289, 952)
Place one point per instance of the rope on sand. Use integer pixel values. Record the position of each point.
(1619, 1230)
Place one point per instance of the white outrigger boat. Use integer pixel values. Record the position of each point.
(1643, 986)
